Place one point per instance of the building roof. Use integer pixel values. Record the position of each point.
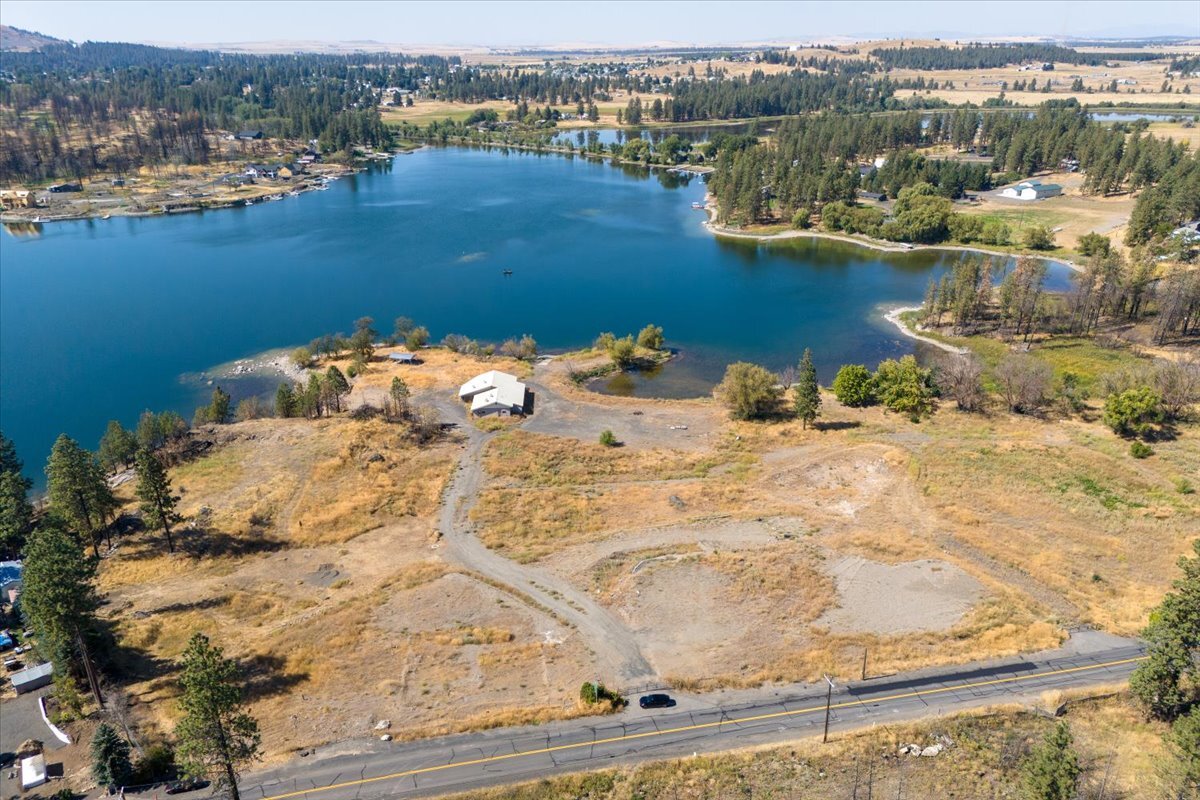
(506, 395)
(31, 674)
(492, 379)
(402, 356)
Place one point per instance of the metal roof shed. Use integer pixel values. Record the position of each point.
(27, 680)
(403, 358)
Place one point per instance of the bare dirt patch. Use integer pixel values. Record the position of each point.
(898, 598)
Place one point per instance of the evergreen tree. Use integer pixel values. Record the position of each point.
(78, 490)
(58, 598)
(216, 737)
(219, 408)
(110, 757)
(118, 446)
(16, 512)
(285, 401)
(337, 384)
(154, 491)
(1052, 770)
(807, 401)
(1172, 638)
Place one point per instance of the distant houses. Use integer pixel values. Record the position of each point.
(32, 678)
(283, 171)
(17, 198)
(248, 136)
(1032, 190)
(495, 393)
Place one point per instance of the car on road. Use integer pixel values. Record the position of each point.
(656, 701)
(189, 785)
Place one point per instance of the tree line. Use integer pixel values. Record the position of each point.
(814, 160)
(991, 56)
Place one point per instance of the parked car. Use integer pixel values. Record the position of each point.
(656, 701)
(189, 785)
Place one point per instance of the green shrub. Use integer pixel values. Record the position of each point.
(1133, 412)
(749, 391)
(854, 386)
(1184, 486)
(608, 439)
(905, 387)
(1140, 450)
(651, 337)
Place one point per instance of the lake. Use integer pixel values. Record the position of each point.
(101, 319)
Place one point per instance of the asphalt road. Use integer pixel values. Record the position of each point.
(468, 761)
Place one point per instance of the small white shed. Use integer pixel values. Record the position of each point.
(33, 771)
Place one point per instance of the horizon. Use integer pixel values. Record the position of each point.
(637, 25)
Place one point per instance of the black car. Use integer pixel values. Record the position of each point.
(656, 701)
(189, 785)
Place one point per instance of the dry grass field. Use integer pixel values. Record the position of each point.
(748, 553)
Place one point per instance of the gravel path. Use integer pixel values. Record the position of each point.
(618, 656)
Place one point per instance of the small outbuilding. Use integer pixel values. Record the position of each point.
(495, 392)
(404, 358)
(33, 771)
(1032, 190)
(33, 678)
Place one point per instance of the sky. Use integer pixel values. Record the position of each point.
(582, 21)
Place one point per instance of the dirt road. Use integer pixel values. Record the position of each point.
(617, 655)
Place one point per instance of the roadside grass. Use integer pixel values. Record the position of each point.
(1001, 625)
(1117, 750)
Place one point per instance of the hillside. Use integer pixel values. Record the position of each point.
(22, 41)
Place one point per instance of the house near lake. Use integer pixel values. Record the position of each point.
(17, 198)
(1032, 190)
(495, 392)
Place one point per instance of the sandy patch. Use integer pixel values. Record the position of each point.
(901, 598)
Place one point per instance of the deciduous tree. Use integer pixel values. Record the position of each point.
(749, 391)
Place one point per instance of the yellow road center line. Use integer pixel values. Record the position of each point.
(699, 726)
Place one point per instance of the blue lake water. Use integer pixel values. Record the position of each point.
(101, 319)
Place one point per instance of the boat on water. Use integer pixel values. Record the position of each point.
(698, 205)
(249, 202)
(507, 272)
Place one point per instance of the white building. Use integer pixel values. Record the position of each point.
(1032, 190)
(494, 392)
(33, 771)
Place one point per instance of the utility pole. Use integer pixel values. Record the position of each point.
(828, 701)
(864, 668)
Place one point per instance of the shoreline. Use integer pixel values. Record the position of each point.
(893, 317)
(135, 209)
(713, 228)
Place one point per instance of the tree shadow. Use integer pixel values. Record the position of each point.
(265, 675)
(836, 425)
(212, 543)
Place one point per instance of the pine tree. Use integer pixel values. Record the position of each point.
(59, 598)
(16, 512)
(807, 393)
(216, 737)
(110, 757)
(1052, 770)
(337, 385)
(154, 490)
(78, 490)
(1172, 638)
(118, 446)
(285, 401)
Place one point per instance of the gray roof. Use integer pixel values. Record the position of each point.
(32, 674)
